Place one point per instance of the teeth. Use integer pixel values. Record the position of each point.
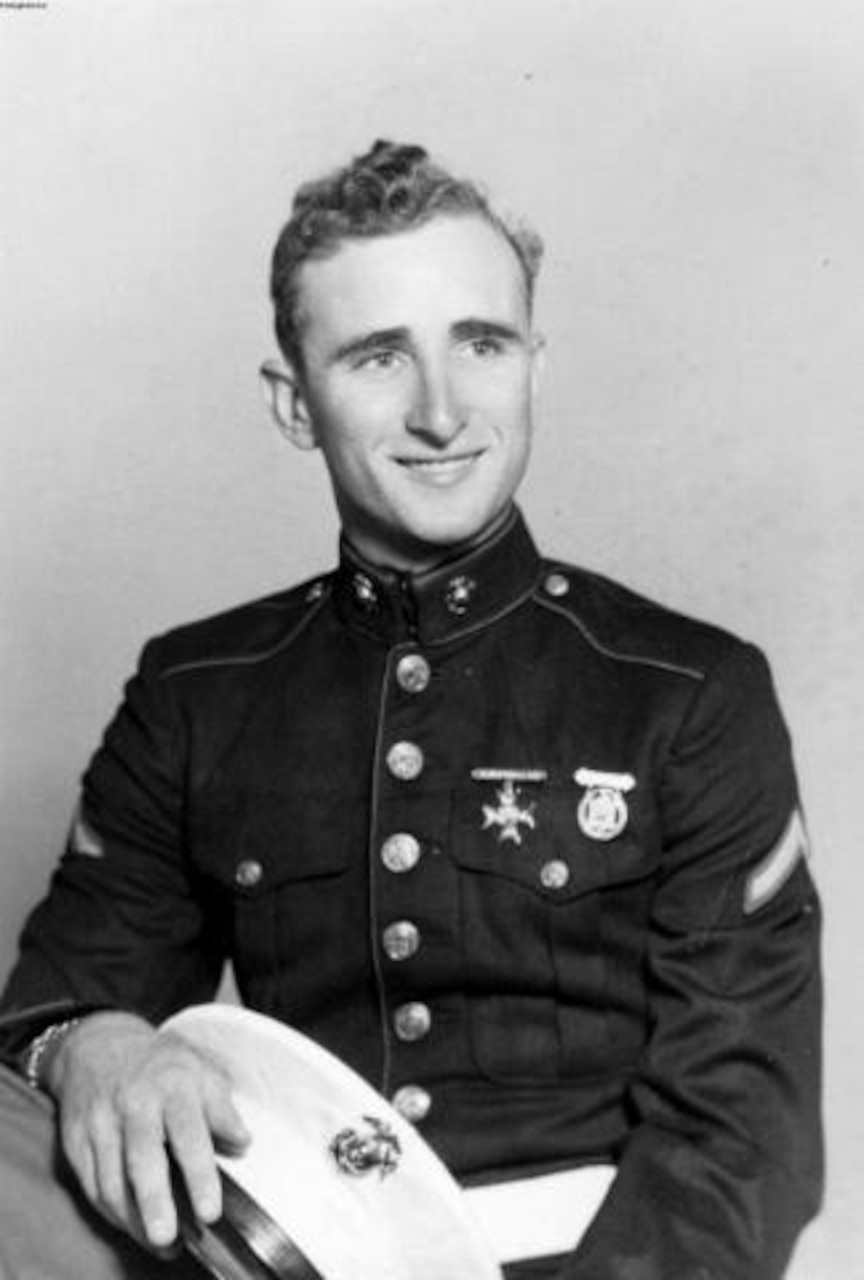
(439, 462)
(442, 471)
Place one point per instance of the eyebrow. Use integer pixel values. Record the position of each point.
(374, 341)
(400, 337)
(465, 330)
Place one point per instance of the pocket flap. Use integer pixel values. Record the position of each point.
(256, 840)
(545, 850)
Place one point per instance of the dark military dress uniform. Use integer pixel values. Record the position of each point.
(518, 845)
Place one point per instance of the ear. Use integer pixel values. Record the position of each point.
(283, 394)
(538, 361)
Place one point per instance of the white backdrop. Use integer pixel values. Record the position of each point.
(697, 169)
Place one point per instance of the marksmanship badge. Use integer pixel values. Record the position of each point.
(602, 812)
(509, 814)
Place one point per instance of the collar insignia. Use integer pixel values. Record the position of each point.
(602, 812)
(509, 814)
(458, 595)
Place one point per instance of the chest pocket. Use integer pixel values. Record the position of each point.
(288, 870)
(543, 919)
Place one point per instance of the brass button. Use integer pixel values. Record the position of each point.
(400, 852)
(401, 940)
(412, 1021)
(315, 592)
(556, 585)
(554, 874)
(412, 1102)
(413, 673)
(248, 873)
(405, 761)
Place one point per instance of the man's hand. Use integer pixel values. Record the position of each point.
(130, 1096)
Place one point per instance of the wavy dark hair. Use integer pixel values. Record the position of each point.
(392, 188)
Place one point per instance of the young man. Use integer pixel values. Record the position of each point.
(519, 846)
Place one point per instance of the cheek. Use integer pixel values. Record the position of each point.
(359, 421)
(506, 392)
(343, 427)
(510, 409)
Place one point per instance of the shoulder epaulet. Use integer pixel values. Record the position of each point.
(247, 634)
(626, 627)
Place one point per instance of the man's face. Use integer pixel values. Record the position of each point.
(418, 379)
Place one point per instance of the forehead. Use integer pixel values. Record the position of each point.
(451, 268)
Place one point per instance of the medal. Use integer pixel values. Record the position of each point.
(509, 814)
(603, 812)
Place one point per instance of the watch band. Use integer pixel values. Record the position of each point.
(34, 1054)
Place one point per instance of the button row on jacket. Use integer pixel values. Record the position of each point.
(405, 761)
(400, 852)
(412, 1021)
(412, 1102)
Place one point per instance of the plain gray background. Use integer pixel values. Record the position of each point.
(697, 169)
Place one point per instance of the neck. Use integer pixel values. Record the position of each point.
(425, 557)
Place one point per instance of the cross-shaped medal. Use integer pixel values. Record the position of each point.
(509, 815)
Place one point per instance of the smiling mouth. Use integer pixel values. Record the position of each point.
(444, 470)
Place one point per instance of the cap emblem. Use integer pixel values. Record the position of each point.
(359, 1153)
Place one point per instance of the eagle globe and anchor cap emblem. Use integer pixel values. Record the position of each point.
(358, 1153)
(602, 813)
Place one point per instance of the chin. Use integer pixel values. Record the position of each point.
(450, 535)
(450, 529)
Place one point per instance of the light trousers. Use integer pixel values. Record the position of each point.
(48, 1231)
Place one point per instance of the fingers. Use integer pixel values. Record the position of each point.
(109, 1173)
(189, 1137)
(225, 1122)
(95, 1152)
(121, 1140)
(179, 1123)
(76, 1147)
(145, 1167)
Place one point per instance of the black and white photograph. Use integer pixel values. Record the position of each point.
(432, 589)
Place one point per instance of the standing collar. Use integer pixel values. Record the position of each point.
(453, 599)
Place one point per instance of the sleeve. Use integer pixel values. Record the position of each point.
(124, 924)
(724, 1163)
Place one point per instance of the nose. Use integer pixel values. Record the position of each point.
(435, 413)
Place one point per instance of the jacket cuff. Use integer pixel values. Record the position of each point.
(19, 1026)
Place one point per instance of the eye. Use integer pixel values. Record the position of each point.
(380, 361)
(486, 346)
